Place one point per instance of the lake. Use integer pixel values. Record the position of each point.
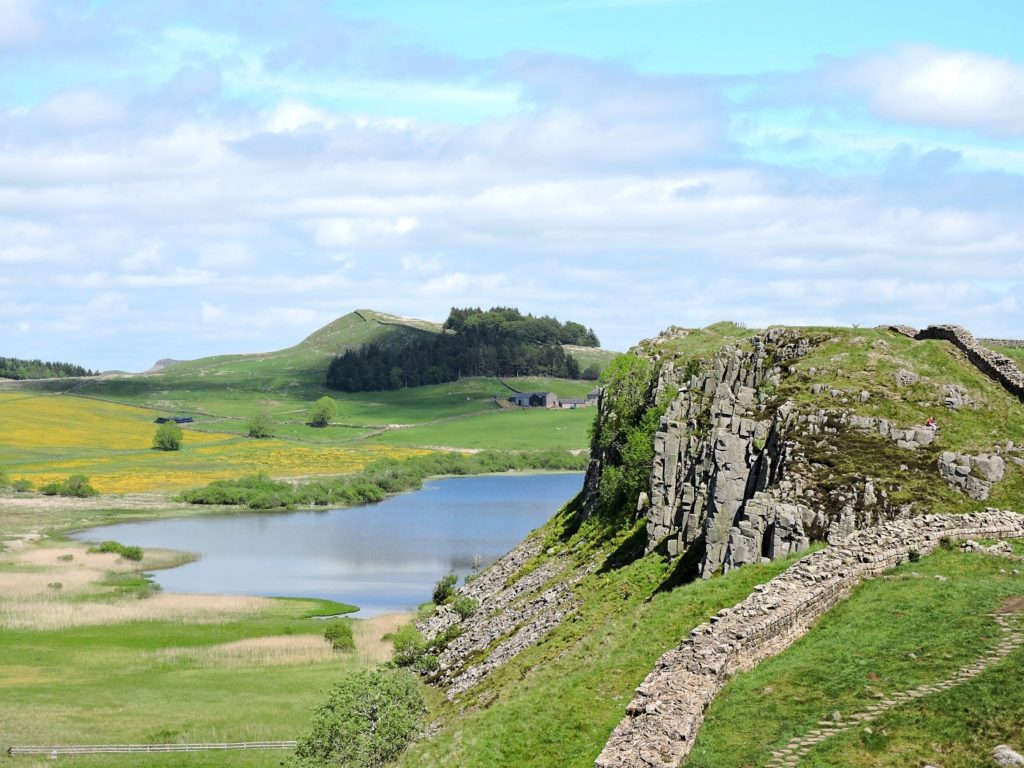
(382, 557)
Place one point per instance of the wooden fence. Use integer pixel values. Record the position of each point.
(109, 749)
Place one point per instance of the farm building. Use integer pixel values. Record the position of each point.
(535, 399)
(574, 402)
(593, 396)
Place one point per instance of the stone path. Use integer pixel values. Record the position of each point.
(794, 751)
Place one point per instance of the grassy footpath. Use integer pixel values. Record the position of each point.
(892, 634)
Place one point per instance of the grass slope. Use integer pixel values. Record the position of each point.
(892, 634)
(556, 703)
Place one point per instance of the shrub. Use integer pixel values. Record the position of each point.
(5, 479)
(947, 544)
(78, 485)
(169, 437)
(66, 558)
(323, 412)
(465, 606)
(913, 556)
(75, 485)
(55, 585)
(22, 485)
(444, 588)
(409, 646)
(366, 722)
(427, 664)
(340, 635)
(260, 425)
(128, 553)
(591, 372)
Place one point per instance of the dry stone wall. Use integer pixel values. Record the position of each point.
(1000, 367)
(663, 719)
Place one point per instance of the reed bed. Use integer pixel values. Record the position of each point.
(254, 652)
(42, 614)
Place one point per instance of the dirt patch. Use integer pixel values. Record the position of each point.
(1013, 604)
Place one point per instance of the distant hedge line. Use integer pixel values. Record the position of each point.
(376, 481)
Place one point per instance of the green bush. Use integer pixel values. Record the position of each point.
(444, 589)
(913, 556)
(169, 437)
(22, 485)
(127, 552)
(340, 635)
(78, 485)
(323, 412)
(427, 664)
(366, 722)
(75, 485)
(260, 425)
(465, 606)
(410, 646)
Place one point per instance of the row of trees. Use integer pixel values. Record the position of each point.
(499, 342)
(16, 368)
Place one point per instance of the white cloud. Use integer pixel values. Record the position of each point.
(176, 278)
(18, 23)
(922, 84)
(225, 255)
(211, 313)
(418, 264)
(146, 257)
(347, 232)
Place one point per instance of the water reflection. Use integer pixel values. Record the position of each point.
(381, 557)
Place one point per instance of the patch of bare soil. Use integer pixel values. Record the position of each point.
(1013, 604)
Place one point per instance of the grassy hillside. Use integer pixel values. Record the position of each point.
(917, 626)
(557, 702)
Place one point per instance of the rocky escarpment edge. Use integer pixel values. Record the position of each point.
(663, 719)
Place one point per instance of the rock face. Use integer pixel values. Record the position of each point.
(973, 475)
(668, 710)
(715, 461)
(512, 614)
(726, 480)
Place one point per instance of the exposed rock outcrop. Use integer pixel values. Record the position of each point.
(973, 475)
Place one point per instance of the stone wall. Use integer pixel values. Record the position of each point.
(999, 367)
(668, 710)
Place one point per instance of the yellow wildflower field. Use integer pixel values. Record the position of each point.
(48, 437)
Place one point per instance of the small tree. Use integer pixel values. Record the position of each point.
(366, 722)
(169, 437)
(323, 412)
(591, 373)
(260, 425)
(444, 588)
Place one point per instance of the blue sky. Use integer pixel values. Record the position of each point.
(182, 178)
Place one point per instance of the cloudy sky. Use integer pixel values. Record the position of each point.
(186, 178)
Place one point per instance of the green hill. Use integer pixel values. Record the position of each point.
(571, 622)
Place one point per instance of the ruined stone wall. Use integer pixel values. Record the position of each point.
(999, 367)
(663, 719)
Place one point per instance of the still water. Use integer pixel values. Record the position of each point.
(382, 557)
